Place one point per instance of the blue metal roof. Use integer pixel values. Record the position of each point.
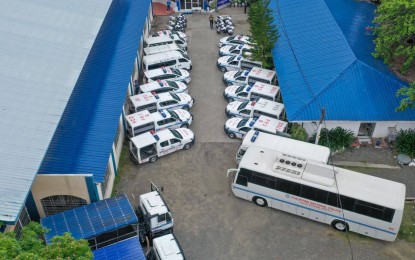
(91, 220)
(323, 59)
(124, 250)
(83, 140)
(44, 45)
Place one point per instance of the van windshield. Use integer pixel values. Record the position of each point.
(173, 114)
(238, 90)
(231, 58)
(176, 134)
(177, 72)
(233, 48)
(175, 97)
(173, 84)
(187, 57)
(243, 122)
(237, 74)
(243, 105)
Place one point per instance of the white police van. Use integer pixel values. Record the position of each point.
(237, 127)
(167, 74)
(231, 62)
(243, 77)
(165, 39)
(163, 48)
(153, 103)
(242, 49)
(234, 40)
(145, 121)
(252, 92)
(168, 33)
(255, 109)
(170, 59)
(149, 146)
(163, 86)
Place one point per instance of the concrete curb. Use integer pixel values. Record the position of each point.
(366, 165)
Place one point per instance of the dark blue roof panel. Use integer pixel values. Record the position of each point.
(317, 67)
(91, 220)
(83, 140)
(128, 249)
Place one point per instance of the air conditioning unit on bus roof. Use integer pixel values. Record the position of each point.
(289, 165)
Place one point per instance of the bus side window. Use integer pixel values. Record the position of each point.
(333, 199)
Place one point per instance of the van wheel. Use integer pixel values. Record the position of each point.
(153, 159)
(133, 159)
(187, 146)
(184, 126)
(260, 201)
(230, 100)
(232, 135)
(186, 108)
(340, 225)
(223, 69)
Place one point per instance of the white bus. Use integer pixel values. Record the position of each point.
(344, 199)
(290, 146)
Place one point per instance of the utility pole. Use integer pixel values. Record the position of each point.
(320, 124)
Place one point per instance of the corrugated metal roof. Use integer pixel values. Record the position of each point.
(126, 249)
(83, 140)
(43, 47)
(91, 220)
(321, 64)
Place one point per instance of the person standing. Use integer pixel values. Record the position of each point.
(211, 21)
(168, 5)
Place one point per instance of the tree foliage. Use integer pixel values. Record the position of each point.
(395, 31)
(263, 31)
(31, 246)
(298, 133)
(408, 100)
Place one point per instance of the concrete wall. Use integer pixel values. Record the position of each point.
(381, 128)
(46, 185)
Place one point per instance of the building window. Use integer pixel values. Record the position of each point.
(60, 203)
(104, 184)
(117, 136)
(23, 220)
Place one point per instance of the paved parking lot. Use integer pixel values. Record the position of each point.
(209, 221)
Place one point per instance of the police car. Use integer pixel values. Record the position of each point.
(145, 121)
(234, 40)
(251, 92)
(237, 127)
(255, 109)
(167, 73)
(168, 32)
(153, 102)
(149, 146)
(242, 49)
(163, 86)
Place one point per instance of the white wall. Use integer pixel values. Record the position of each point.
(381, 129)
(311, 126)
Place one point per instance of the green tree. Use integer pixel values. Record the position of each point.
(263, 31)
(31, 246)
(298, 133)
(395, 33)
(409, 97)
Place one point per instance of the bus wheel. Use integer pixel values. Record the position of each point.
(340, 225)
(153, 159)
(259, 201)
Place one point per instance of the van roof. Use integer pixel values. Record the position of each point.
(156, 72)
(161, 48)
(270, 125)
(153, 203)
(162, 38)
(139, 118)
(270, 107)
(144, 139)
(262, 73)
(265, 89)
(168, 247)
(163, 56)
(143, 99)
